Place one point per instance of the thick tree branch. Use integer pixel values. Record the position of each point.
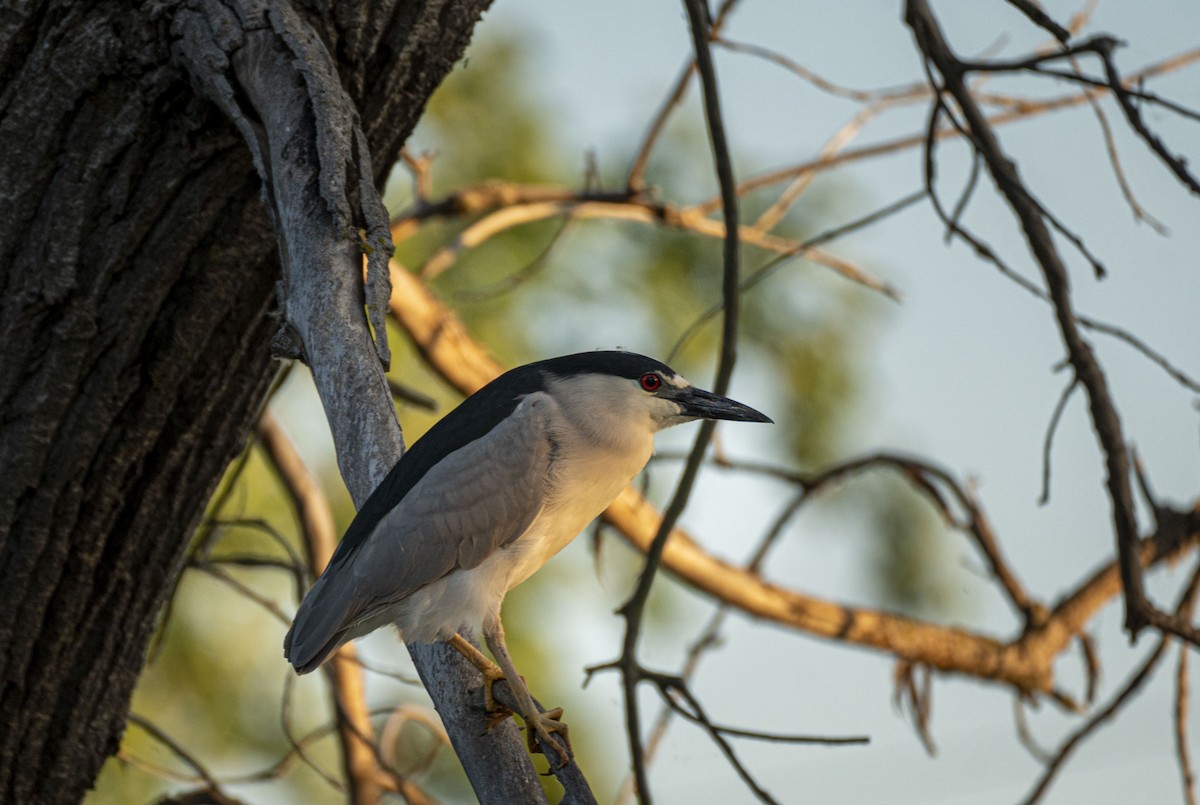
(273, 77)
(1024, 663)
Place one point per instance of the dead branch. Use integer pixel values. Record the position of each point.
(1123, 696)
(633, 610)
(1087, 368)
(1023, 111)
(347, 687)
(508, 205)
(1025, 664)
(1187, 777)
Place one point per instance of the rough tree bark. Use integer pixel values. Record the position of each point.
(137, 277)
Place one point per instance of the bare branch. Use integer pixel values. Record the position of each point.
(636, 179)
(1048, 442)
(515, 205)
(1025, 664)
(1041, 19)
(633, 609)
(1024, 735)
(411, 396)
(1131, 687)
(709, 636)
(320, 538)
(1114, 159)
(212, 787)
(1187, 777)
(907, 92)
(914, 689)
(668, 685)
(802, 250)
(1032, 218)
(1022, 111)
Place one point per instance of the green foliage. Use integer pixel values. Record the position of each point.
(907, 539)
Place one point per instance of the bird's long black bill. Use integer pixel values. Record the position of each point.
(706, 405)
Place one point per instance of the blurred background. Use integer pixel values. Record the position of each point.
(963, 370)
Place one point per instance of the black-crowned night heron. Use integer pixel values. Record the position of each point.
(488, 496)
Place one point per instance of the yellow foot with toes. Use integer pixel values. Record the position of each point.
(496, 712)
(548, 726)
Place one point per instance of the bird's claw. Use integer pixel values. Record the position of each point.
(496, 715)
(547, 726)
(496, 712)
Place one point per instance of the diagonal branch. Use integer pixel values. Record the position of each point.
(1025, 664)
(320, 538)
(273, 77)
(1032, 218)
(633, 610)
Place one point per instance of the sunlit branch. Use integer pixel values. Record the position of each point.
(1122, 697)
(1025, 664)
(1025, 111)
(320, 537)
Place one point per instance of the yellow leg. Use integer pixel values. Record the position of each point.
(491, 675)
(548, 725)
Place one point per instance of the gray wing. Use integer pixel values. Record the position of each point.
(476, 500)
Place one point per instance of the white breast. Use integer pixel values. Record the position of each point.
(595, 457)
(594, 478)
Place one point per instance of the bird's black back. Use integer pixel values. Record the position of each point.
(472, 420)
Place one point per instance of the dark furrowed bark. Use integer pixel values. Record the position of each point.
(137, 276)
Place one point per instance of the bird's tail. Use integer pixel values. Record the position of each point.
(318, 629)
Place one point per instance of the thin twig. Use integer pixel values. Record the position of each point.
(1048, 442)
(1114, 159)
(347, 687)
(1187, 778)
(666, 685)
(518, 205)
(411, 396)
(800, 251)
(636, 179)
(709, 636)
(914, 687)
(210, 781)
(634, 608)
(1123, 696)
(1025, 735)
(1029, 109)
(297, 745)
(517, 278)
(906, 92)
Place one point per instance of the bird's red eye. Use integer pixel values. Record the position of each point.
(651, 382)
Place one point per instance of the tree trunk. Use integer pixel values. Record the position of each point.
(137, 275)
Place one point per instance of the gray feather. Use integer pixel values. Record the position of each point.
(472, 503)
